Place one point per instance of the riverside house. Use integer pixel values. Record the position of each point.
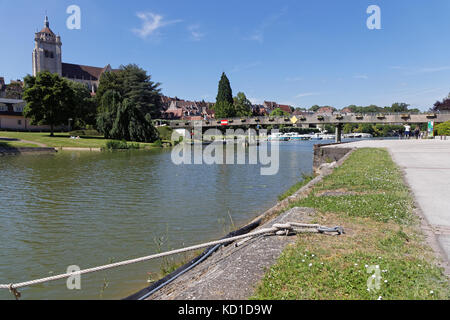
(11, 116)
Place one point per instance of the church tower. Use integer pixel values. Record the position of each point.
(47, 51)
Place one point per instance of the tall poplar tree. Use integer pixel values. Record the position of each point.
(224, 107)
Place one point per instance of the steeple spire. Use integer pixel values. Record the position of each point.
(46, 23)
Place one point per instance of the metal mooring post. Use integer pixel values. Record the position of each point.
(338, 133)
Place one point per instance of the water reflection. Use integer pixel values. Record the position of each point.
(88, 209)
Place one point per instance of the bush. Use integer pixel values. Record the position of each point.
(86, 132)
(121, 145)
(158, 143)
(442, 129)
(165, 133)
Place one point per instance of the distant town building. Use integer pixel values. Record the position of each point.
(259, 110)
(325, 110)
(285, 108)
(47, 56)
(186, 110)
(270, 106)
(11, 116)
(347, 110)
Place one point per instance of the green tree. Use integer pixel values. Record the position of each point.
(224, 107)
(364, 128)
(84, 111)
(134, 84)
(130, 124)
(242, 105)
(442, 129)
(398, 107)
(314, 108)
(224, 93)
(122, 119)
(348, 128)
(49, 99)
(278, 113)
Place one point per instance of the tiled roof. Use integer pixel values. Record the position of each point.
(47, 30)
(285, 108)
(76, 71)
(325, 110)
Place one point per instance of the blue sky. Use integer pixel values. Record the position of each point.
(295, 52)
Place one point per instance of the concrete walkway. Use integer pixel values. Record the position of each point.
(426, 164)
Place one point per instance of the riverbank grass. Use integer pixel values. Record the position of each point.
(63, 140)
(367, 196)
(17, 144)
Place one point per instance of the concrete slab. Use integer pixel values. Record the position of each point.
(234, 272)
(426, 164)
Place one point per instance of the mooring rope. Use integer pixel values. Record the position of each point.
(278, 229)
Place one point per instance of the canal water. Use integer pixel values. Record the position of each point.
(89, 209)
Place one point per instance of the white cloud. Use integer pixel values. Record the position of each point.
(251, 65)
(307, 94)
(294, 79)
(258, 34)
(196, 35)
(151, 22)
(420, 70)
(361, 76)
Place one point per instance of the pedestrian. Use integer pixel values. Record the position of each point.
(417, 132)
(407, 131)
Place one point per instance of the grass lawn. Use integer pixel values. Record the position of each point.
(62, 139)
(17, 144)
(367, 196)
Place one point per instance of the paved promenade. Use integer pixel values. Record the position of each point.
(427, 167)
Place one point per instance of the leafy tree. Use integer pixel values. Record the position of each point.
(314, 108)
(399, 107)
(242, 105)
(49, 99)
(348, 128)
(442, 106)
(224, 106)
(107, 111)
(224, 93)
(130, 124)
(134, 84)
(121, 119)
(84, 112)
(443, 129)
(364, 128)
(278, 113)
(224, 109)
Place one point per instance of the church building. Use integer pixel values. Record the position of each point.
(47, 56)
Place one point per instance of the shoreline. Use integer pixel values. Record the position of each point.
(185, 286)
(275, 211)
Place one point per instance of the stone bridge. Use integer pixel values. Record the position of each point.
(334, 119)
(337, 119)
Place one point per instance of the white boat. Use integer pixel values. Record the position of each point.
(358, 135)
(293, 136)
(316, 136)
(328, 136)
(278, 136)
